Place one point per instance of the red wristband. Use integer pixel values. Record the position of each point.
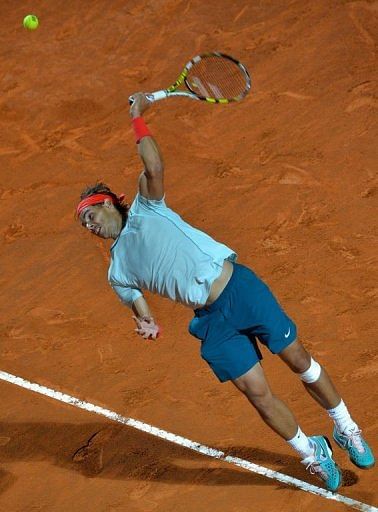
(140, 129)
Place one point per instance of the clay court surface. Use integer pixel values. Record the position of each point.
(287, 178)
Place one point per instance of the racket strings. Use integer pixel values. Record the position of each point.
(217, 77)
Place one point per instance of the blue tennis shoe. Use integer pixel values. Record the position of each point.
(359, 451)
(322, 464)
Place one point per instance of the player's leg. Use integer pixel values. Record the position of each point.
(227, 330)
(277, 331)
(271, 409)
(315, 451)
(317, 382)
(235, 357)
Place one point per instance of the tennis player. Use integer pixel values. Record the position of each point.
(156, 250)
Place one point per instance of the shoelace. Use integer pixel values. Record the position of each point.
(354, 439)
(314, 468)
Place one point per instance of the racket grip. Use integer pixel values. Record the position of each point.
(156, 96)
(153, 96)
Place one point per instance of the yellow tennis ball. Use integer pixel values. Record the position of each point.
(31, 22)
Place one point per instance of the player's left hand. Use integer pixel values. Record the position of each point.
(146, 327)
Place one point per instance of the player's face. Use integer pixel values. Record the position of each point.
(102, 220)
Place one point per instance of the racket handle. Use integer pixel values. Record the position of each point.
(156, 96)
(153, 96)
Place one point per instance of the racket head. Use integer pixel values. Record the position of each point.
(215, 77)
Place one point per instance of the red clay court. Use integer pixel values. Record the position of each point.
(287, 178)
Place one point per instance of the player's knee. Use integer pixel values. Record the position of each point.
(265, 406)
(296, 357)
(262, 400)
(312, 373)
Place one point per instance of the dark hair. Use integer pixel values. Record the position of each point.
(102, 188)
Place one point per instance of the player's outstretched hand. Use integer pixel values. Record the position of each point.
(147, 327)
(139, 105)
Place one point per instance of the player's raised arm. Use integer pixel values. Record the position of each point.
(151, 181)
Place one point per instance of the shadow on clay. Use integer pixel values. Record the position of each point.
(6, 480)
(101, 450)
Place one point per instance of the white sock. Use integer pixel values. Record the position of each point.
(342, 418)
(302, 444)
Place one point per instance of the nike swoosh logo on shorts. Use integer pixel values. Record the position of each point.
(288, 333)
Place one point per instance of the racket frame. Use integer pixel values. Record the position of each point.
(182, 80)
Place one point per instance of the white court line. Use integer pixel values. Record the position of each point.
(187, 443)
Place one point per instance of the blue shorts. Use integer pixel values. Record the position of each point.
(228, 328)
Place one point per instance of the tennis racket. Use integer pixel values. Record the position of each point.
(212, 77)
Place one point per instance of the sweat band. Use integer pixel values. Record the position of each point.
(140, 129)
(96, 199)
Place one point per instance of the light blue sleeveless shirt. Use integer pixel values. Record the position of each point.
(159, 252)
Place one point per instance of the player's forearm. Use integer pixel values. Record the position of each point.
(146, 325)
(152, 159)
(140, 308)
(148, 148)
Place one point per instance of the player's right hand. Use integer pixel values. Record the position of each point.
(139, 105)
